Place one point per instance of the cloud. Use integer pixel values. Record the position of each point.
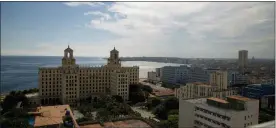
(75, 4)
(176, 29)
(184, 29)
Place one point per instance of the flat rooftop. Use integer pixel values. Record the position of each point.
(237, 97)
(120, 124)
(52, 115)
(218, 100)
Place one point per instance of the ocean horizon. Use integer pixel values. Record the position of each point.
(21, 72)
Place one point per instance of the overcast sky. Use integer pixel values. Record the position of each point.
(172, 29)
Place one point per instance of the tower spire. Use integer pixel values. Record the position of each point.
(114, 47)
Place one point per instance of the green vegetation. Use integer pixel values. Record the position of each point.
(11, 101)
(136, 93)
(162, 110)
(15, 118)
(172, 122)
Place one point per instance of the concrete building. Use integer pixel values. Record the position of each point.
(197, 74)
(235, 112)
(243, 59)
(71, 83)
(120, 84)
(199, 90)
(219, 79)
(194, 90)
(152, 77)
(174, 74)
(158, 72)
(224, 93)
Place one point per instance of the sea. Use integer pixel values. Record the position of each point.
(21, 72)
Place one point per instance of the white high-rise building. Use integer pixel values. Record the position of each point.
(243, 59)
(235, 112)
(71, 83)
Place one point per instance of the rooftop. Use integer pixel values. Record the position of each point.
(218, 100)
(200, 83)
(52, 115)
(237, 97)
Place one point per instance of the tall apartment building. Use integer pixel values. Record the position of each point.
(219, 79)
(71, 83)
(243, 59)
(120, 84)
(234, 112)
(158, 72)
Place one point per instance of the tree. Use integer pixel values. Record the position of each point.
(155, 101)
(118, 98)
(172, 122)
(171, 103)
(160, 111)
(173, 112)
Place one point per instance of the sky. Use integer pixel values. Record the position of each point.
(157, 29)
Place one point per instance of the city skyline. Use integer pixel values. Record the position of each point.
(176, 29)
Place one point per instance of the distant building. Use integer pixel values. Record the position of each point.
(71, 83)
(243, 60)
(219, 79)
(258, 90)
(194, 90)
(152, 77)
(268, 81)
(199, 90)
(234, 112)
(174, 74)
(197, 74)
(158, 72)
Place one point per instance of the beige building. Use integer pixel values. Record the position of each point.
(194, 90)
(71, 83)
(234, 112)
(224, 93)
(243, 59)
(219, 79)
(199, 90)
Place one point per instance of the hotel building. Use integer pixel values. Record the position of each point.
(71, 83)
(235, 112)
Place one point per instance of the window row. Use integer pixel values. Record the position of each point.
(46, 90)
(213, 113)
(213, 121)
(51, 94)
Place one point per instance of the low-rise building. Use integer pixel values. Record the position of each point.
(225, 92)
(194, 90)
(235, 112)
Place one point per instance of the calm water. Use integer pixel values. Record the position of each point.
(21, 72)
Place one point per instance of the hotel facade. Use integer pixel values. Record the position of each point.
(71, 83)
